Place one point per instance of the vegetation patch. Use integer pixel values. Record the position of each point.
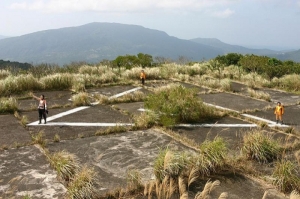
(178, 104)
(259, 146)
(8, 105)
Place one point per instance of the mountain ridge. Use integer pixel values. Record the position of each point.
(96, 41)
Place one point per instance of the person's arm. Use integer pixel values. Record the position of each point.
(282, 110)
(35, 97)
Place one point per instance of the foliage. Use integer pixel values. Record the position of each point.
(178, 104)
(229, 59)
(260, 146)
(212, 155)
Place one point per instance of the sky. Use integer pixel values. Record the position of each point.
(253, 23)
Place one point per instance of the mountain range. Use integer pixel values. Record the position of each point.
(97, 41)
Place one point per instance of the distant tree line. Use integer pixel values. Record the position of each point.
(14, 65)
(263, 65)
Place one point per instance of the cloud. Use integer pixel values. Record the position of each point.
(223, 14)
(117, 5)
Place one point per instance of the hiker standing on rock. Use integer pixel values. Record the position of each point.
(143, 77)
(279, 110)
(42, 108)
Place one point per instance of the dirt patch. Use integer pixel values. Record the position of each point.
(25, 171)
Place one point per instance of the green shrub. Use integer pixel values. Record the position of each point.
(212, 154)
(178, 104)
(260, 146)
(286, 176)
(8, 105)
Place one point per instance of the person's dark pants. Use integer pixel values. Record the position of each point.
(143, 81)
(42, 114)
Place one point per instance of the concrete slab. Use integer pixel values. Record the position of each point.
(234, 102)
(113, 155)
(12, 134)
(290, 117)
(25, 171)
(111, 90)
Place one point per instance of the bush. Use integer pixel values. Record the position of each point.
(178, 104)
(260, 147)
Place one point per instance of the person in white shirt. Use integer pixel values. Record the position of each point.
(42, 108)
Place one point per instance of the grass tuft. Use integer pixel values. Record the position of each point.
(65, 164)
(286, 176)
(260, 146)
(82, 184)
(81, 99)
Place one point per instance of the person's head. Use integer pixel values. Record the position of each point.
(278, 103)
(42, 97)
(142, 71)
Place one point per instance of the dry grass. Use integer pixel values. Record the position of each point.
(8, 105)
(286, 176)
(259, 95)
(81, 99)
(145, 120)
(82, 184)
(259, 146)
(56, 138)
(65, 164)
(39, 138)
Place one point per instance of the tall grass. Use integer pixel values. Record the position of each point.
(260, 146)
(4, 73)
(8, 105)
(259, 94)
(18, 84)
(286, 176)
(57, 81)
(290, 82)
(81, 99)
(82, 184)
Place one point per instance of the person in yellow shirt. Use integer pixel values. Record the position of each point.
(279, 110)
(143, 77)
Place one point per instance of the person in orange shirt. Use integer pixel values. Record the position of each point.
(279, 110)
(143, 77)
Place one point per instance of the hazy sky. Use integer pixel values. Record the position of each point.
(244, 22)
